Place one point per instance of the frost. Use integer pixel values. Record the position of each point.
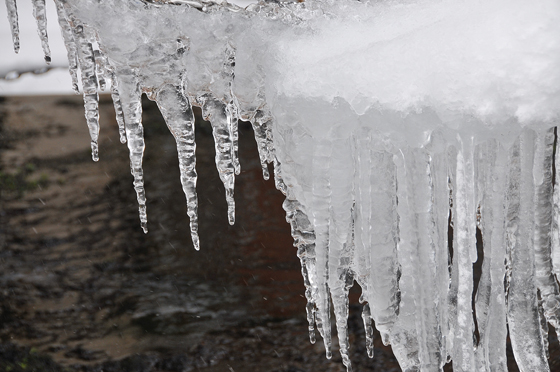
(397, 130)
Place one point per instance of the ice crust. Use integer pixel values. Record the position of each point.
(492, 59)
(398, 130)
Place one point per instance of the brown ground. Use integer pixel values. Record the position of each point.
(83, 289)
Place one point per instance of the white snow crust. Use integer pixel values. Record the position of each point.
(491, 59)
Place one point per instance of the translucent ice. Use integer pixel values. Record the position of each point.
(11, 6)
(399, 132)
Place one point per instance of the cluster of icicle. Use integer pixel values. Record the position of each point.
(401, 221)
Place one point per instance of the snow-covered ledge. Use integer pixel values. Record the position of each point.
(392, 126)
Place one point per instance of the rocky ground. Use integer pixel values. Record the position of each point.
(83, 289)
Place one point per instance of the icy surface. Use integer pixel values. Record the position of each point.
(404, 134)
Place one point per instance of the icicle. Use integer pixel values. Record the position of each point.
(216, 112)
(13, 18)
(177, 112)
(228, 74)
(71, 48)
(439, 169)
(118, 107)
(555, 249)
(340, 234)
(130, 95)
(523, 314)
(453, 263)
(546, 282)
(320, 204)
(490, 297)
(376, 233)
(368, 328)
(263, 136)
(39, 12)
(464, 254)
(404, 338)
(89, 85)
(418, 245)
(304, 241)
(362, 236)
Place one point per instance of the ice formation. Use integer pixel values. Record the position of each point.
(399, 131)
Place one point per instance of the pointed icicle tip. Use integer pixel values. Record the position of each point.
(196, 242)
(231, 215)
(94, 151)
(40, 14)
(312, 337)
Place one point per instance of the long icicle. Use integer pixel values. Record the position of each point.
(491, 160)
(555, 249)
(341, 245)
(304, 240)
(376, 235)
(453, 262)
(216, 112)
(362, 238)
(439, 166)
(464, 254)
(118, 106)
(86, 59)
(404, 335)
(546, 282)
(422, 259)
(522, 303)
(130, 94)
(321, 200)
(177, 111)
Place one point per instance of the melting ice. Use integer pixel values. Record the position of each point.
(397, 131)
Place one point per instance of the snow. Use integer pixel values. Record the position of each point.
(396, 129)
(494, 59)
